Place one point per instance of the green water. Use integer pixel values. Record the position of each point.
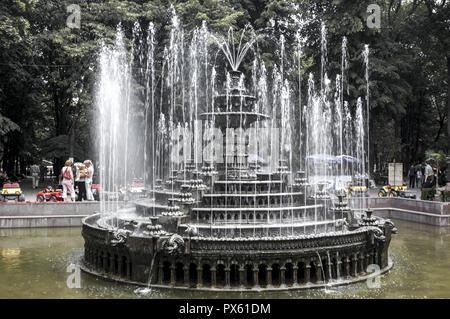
(33, 264)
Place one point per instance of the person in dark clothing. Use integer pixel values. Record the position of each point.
(42, 172)
(430, 182)
(442, 179)
(412, 176)
(80, 182)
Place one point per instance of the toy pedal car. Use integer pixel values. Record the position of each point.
(96, 189)
(395, 191)
(12, 191)
(356, 191)
(49, 195)
(135, 190)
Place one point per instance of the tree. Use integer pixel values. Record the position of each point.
(47, 78)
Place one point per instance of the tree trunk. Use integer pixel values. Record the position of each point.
(71, 140)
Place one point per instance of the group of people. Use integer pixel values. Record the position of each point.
(80, 176)
(425, 176)
(39, 173)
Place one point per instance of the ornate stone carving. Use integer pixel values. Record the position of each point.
(119, 237)
(174, 244)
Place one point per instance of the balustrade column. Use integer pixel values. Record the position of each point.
(255, 275)
(242, 279)
(378, 262)
(283, 276)
(294, 275)
(319, 272)
(329, 270)
(199, 276)
(269, 276)
(172, 275)
(213, 276)
(338, 269)
(355, 266)
(186, 276)
(227, 277)
(307, 269)
(128, 269)
(361, 263)
(372, 257)
(347, 267)
(368, 261)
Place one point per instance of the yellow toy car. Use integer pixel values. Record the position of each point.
(395, 191)
(356, 191)
(135, 190)
(11, 191)
(357, 188)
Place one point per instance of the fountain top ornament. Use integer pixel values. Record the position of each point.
(234, 54)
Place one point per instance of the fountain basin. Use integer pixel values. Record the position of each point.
(234, 264)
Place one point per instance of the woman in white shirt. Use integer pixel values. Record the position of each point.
(88, 179)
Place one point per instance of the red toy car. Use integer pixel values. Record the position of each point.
(49, 195)
(96, 189)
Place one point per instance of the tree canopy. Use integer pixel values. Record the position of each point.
(47, 70)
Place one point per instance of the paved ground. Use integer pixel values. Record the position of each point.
(30, 193)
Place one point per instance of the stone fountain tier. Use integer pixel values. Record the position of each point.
(235, 107)
(234, 102)
(234, 119)
(254, 263)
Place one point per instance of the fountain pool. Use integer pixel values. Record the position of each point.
(33, 264)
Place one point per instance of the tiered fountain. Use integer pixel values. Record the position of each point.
(231, 224)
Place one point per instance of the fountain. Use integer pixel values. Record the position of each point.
(229, 213)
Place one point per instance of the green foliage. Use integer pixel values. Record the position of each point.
(6, 125)
(59, 146)
(438, 158)
(47, 71)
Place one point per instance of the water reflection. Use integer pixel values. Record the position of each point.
(33, 264)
